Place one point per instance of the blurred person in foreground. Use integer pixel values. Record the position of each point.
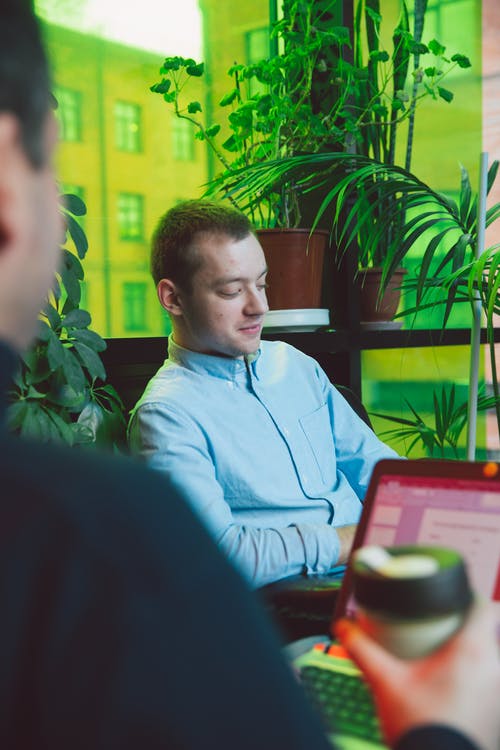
(109, 637)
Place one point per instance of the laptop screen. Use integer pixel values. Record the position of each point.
(437, 503)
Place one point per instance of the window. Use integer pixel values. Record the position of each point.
(128, 127)
(134, 305)
(130, 216)
(256, 48)
(182, 140)
(69, 113)
(257, 44)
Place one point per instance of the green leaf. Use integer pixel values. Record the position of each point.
(90, 338)
(436, 48)
(462, 60)
(52, 316)
(34, 395)
(77, 235)
(74, 204)
(55, 352)
(229, 98)
(36, 424)
(195, 70)
(379, 56)
(43, 330)
(417, 48)
(69, 276)
(171, 63)
(212, 130)
(73, 371)
(91, 361)
(170, 97)
(194, 107)
(76, 319)
(237, 68)
(65, 396)
(162, 87)
(16, 414)
(61, 429)
(231, 144)
(445, 94)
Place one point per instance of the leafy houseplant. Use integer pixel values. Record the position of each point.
(449, 421)
(381, 92)
(270, 113)
(446, 232)
(56, 394)
(269, 110)
(315, 94)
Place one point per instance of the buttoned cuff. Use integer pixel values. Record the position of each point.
(321, 547)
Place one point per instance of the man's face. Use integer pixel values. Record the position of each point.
(33, 231)
(224, 311)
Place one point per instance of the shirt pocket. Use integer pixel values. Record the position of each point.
(318, 431)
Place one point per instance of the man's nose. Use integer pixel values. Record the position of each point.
(256, 302)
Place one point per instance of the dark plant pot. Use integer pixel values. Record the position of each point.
(295, 262)
(373, 310)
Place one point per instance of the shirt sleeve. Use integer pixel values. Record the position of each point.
(175, 445)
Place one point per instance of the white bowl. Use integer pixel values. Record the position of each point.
(296, 320)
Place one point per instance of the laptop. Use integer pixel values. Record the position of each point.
(452, 504)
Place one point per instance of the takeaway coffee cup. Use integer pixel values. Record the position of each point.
(410, 599)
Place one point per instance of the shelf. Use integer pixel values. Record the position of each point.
(138, 351)
(130, 362)
(341, 340)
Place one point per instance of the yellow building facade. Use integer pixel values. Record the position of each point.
(123, 152)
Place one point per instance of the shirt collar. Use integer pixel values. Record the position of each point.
(211, 364)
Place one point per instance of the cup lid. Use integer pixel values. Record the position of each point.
(423, 594)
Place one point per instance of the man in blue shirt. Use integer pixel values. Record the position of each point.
(252, 432)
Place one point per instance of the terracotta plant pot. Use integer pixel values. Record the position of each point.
(295, 262)
(373, 310)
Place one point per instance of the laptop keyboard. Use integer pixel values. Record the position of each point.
(343, 701)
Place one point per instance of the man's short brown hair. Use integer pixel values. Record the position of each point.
(173, 252)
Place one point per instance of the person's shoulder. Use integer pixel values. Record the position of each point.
(168, 384)
(61, 468)
(112, 506)
(281, 351)
(69, 477)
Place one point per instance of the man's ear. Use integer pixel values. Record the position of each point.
(169, 297)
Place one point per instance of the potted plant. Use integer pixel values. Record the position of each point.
(57, 394)
(270, 114)
(381, 91)
(446, 232)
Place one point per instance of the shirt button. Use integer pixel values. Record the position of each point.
(285, 432)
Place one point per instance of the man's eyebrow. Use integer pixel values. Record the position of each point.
(235, 279)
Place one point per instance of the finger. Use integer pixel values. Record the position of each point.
(372, 659)
(480, 626)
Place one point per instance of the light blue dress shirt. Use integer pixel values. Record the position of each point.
(265, 449)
